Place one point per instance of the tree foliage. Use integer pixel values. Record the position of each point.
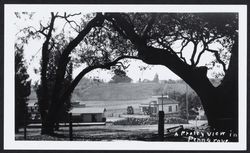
(156, 78)
(164, 38)
(90, 44)
(22, 87)
(130, 110)
(120, 76)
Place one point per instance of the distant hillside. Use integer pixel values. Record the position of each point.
(88, 90)
(120, 91)
(124, 91)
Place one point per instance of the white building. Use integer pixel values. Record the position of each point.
(157, 103)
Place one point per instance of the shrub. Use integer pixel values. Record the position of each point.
(136, 121)
(149, 121)
(175, 120)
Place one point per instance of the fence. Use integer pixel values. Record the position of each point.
(70, 125)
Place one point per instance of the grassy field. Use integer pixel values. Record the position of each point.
(87, 91)
(117, 107)
(125, 91)
(118, 91)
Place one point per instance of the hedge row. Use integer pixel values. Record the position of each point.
(149, 121)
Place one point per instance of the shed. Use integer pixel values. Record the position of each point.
(88, 114)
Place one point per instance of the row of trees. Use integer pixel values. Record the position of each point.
(22, 88)
(101, 40)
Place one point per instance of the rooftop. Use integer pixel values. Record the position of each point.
(87, 110)
(166, 100)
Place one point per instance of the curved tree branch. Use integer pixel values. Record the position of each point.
(193, 54)
(62, 64)
(166, 57)
(202, 51)
(184, 44)
(66, 17)
(78, 78)
(217, 56)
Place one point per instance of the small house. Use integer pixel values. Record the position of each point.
(88, 114)
(159, 103)
(149, 108)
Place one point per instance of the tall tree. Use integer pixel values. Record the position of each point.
(85, 44)
(99, 47)
(156, 78)
(22, 88)
(155, 36)
(120, 77)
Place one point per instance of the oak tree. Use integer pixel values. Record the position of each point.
(22, 88)
(155, 37)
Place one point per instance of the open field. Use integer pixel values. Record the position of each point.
(124, 91)
(120, 91)
(116, 97)
(118, 107)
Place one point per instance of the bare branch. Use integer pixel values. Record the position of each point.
(42, 29)
(205, 45)
(193, 54)
(123, 66)
(217, 56)
(203, 50)
(66, 17)
(114, 62)
(184, 44)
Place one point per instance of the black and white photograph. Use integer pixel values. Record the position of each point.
(129, 77)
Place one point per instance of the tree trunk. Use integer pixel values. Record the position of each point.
(43, 114)
(60, 73)
(44, 101)
(220, 103)
(223, 105)
(221, 111)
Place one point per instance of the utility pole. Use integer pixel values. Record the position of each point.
(187, 114)
(70, 127)
(161, 123)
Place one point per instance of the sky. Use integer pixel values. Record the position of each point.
(32, 54)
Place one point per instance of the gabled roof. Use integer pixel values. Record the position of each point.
(87, 110)
(166, 100)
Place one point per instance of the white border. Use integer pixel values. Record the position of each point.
(9, 136)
